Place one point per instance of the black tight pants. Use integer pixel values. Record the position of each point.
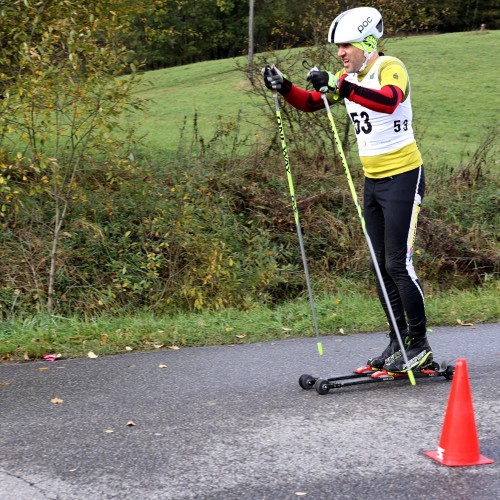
(391, 207)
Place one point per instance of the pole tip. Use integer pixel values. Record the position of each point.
(320, 348)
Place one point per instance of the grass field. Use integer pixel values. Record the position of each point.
(454, 95)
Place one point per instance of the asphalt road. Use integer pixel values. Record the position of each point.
(232, 423)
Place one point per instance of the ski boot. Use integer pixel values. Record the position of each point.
(418, 352)
(390, 354)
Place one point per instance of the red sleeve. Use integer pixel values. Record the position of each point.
(385, 100)
(304, 100)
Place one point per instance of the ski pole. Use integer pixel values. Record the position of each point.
(284, 150)
(368, 240)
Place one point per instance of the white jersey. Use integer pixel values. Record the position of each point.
(379, 133)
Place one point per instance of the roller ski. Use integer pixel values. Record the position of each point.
(369, 375)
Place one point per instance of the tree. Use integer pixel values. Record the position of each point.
(174, 32)
(62, 104)
(251, 28)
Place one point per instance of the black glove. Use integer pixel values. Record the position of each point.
(322, 81)
(274, 79)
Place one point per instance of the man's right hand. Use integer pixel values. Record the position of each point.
(273, 78)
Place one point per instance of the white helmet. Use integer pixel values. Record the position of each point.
(354, 25)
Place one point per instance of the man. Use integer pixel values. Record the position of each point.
(376, 92)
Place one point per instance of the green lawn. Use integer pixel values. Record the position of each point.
(454, 91)
(454, 79)
(210, 90)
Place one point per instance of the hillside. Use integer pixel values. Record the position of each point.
(454, 99)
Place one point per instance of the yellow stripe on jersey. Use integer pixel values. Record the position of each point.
(394, 163)
(393, 72)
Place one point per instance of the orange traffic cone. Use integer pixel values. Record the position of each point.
(458, 444)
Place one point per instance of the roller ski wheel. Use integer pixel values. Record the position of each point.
(449, 372)
(307, 382)
(322, 386)
(447, 369)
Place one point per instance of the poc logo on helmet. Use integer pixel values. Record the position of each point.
(364, 24)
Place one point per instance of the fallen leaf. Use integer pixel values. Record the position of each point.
(159, 346)
(341, 331)
(162, 366)
(128, 348)
(109, 431)
(73, 470)
(229, 329)
(174, 347)
(57, 401)
(4, 384)
(43, 368)
(131, 423)
(242, 336)
(51, 357)
(463, 323)
(104, 338)
(26, 356)
(300, 493)
(92, 355)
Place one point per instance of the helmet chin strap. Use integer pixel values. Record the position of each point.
(367, 56)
